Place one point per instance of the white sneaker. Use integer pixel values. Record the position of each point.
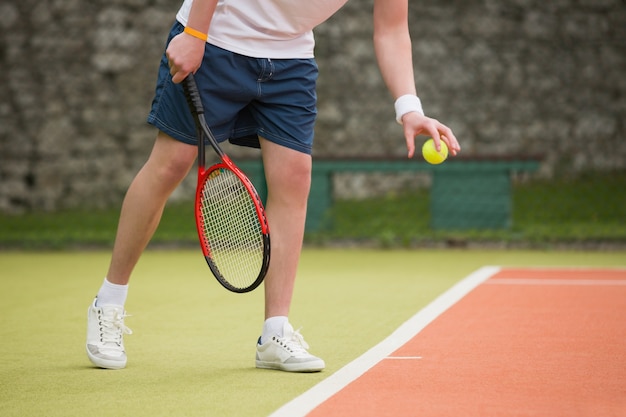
(287, 353)
(105, 336)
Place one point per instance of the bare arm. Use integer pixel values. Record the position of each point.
(392, 43)
(185, 52)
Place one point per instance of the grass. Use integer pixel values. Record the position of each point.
(192, 348)
(89, 228)
(589, 210)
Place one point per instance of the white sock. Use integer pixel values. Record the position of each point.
(273, 327)
(112, 294)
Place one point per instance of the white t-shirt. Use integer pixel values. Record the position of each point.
(266, 28)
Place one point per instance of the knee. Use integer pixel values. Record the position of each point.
(290, 181)
(170, 160)
(174, 168)
(299, 177)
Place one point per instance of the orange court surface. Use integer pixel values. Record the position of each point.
(546, 342)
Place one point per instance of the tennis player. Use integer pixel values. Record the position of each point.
(255, 66)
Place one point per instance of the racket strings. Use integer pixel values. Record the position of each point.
(231, 228)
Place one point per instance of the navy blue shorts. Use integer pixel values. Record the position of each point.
(243, 98)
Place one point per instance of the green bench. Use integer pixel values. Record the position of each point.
(465, 194)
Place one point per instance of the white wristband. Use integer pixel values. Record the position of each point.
(407, 103)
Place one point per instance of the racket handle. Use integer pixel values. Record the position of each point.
(193, 95)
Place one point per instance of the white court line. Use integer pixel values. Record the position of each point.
(303, 404)
(539, 281)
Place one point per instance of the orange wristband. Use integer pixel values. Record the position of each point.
(196, 33)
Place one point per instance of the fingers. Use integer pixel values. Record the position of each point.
(410, 145)
(178, 72)
(184, 56)
(440, 132)
(450, 140)
(416, 124)
(448, 137)
(178, 75)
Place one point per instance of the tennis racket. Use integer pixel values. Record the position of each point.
(230, 218)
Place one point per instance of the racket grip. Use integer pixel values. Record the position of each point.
(193, 95)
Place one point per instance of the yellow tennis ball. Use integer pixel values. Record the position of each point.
(430, 152)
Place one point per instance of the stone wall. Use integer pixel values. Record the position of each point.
(509, 76)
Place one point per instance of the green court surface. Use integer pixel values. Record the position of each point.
(192, 351)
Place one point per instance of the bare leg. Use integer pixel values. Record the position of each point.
(288, 175)
(143, 205)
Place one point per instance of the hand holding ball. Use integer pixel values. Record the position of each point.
(430, 152)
